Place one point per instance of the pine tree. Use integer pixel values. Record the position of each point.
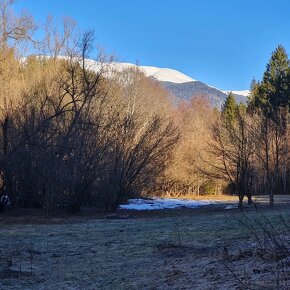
(273, 93)
(275, 84)
(271, 99)
(229, 108)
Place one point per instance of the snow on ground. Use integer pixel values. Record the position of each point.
(164, 203)
(231, 206)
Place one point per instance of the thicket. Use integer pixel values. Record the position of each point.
(74, 134)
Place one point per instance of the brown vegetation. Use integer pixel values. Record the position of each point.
(73, 135)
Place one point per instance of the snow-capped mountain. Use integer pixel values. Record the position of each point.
(181, 85)
(215, 96)
(178, 84)
(160, 74)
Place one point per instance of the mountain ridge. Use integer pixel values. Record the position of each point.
(175, 82)
(182, 86)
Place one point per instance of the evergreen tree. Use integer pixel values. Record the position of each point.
(271, 99)
(254, 99)
(229, 108)
(276, 78)
(272, 93)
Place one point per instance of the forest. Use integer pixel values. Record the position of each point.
(73, 136)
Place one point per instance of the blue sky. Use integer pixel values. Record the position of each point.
(224, 43)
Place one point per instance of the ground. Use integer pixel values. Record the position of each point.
(203, 248)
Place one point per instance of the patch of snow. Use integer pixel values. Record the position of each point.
(164, 203)
(232, 206)
(244, 93)
(166, 74)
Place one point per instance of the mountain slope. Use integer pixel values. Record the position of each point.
(177, 83)
(183, 86)
(187, 90)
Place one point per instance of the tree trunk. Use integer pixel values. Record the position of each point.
(241, 198)
(249, 199)
(271, 196)
(7, 175)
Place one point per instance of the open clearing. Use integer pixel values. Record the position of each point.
(201, 248)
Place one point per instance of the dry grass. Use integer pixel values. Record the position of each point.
(220, 197)
(177, 249)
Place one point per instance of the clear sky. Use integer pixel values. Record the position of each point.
(224, 43)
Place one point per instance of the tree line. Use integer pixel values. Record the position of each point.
(241, 149)
(75, 133)
(252, 141)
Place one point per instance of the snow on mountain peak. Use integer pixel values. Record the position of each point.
(160, 74)
(244, 93)
(166, 74)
